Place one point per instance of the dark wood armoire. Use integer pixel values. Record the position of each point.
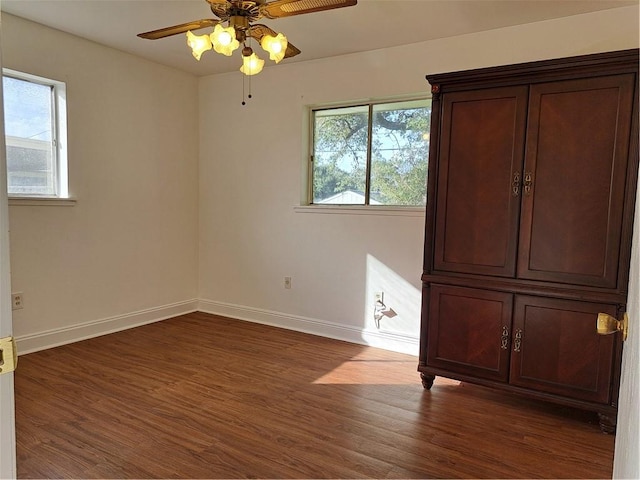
(531, 190)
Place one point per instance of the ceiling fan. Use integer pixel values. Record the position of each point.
(240, 15)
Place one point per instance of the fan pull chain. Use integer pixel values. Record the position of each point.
(246, 78)
(243, 81)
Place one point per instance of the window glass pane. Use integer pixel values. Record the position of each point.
(340, 155)
(28, 114)
(399, 153)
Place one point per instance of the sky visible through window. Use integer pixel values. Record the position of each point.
(27, 109)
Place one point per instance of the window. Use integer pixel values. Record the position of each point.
(35, 129)
(373, 154)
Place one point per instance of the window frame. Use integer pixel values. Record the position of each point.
(307, 204)
(58, 141)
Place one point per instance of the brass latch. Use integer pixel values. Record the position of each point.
(607, 325)
(8, 355)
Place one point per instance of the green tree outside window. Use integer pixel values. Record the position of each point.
(375, 154)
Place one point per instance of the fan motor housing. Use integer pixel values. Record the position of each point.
(245, 9)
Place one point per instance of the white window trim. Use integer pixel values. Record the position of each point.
(60, 143)
(41, 202)
(382, 210)
(306, 203)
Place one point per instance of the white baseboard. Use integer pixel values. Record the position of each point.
(74, 333)
(385, 340)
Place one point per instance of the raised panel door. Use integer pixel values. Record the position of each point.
(469, 331)
(556, 348)
(575, 175)
(478, 184)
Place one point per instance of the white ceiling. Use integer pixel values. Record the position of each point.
(370, 25)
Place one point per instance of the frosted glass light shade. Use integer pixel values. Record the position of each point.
(251, 64)
(198, 43)
(276, 46)
(224, 40)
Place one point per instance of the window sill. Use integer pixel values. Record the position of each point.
(361, 210)
(42, 201)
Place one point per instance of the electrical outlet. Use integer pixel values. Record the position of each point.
(17, 301)
(378, 297)
(287, 282)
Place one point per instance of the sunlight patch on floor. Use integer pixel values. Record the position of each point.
(442, 381)
(373, 372)
(374, 367)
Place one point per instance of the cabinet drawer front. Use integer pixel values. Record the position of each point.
(577, 150)
(560, 351)
(478, 185)
(469, 331)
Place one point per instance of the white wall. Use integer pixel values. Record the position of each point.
(126, 252)
(251, 165)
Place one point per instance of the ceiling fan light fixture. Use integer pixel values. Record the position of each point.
(198, 43)
(276, 46)
(251, 64)
(224, 39)
(241, 16)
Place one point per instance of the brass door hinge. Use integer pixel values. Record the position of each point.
(8, 355)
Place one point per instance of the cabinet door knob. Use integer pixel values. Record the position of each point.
(518, 341)
(504, 340)
(515, 184)
(528, 183)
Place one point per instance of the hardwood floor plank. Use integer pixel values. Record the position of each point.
(202, 396)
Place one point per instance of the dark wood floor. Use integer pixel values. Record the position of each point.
(201, 396)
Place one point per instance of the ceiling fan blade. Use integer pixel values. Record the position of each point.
(176, 29)
(287, 8)
(259, 30)
(291, 51)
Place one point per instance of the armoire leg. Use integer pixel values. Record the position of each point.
(607, 423)
(427, 380)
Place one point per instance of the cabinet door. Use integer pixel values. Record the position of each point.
(575, 174)
(469, 331)
(478, 183)
(556, 348)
